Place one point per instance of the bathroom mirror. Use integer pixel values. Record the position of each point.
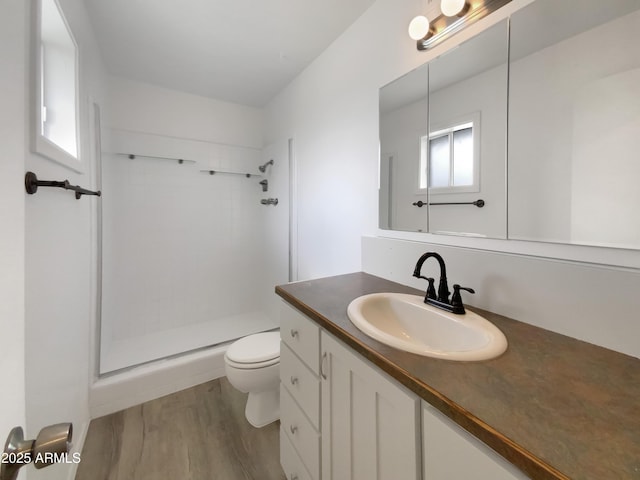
(574, 123)
(55, 83)
(433, 183)
(463, 164)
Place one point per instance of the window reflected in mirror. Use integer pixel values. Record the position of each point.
(467, 125)
(443, 142)
(454, 158)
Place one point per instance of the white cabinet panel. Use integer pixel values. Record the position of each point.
(370, 423)
(303, 436)
(291, 464)
(450, 452)
(301, 335)
(301, 383)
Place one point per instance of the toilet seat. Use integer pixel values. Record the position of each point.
(252, 366)
(254, 351)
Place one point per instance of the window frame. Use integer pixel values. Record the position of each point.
(447, 128)
(41, 144)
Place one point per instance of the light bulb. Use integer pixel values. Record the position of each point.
(451, 8)
(419, 27)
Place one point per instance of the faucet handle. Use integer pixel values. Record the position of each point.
(456, 299)
(431, 289)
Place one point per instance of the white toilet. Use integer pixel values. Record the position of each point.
(252, 365)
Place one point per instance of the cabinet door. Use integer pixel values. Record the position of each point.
(370, 423)
(450, 452)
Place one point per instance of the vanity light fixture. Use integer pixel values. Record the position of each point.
(456, 15)
(452, 8)
(419, 27)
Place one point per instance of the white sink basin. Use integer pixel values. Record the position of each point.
(407, 323)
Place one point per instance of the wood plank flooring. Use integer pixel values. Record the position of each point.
(196, 434)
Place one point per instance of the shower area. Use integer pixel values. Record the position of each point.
(192, 244)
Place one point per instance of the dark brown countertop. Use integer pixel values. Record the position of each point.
(554, 406)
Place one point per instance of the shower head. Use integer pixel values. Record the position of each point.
(263, 168)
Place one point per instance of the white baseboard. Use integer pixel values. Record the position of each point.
(147, 382)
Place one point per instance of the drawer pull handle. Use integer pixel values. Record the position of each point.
(293, 429)
(294, 333)
(322, 374)
(293, 380)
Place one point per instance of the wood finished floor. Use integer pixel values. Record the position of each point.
(196, 434)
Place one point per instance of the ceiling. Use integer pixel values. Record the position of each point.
(241, 51)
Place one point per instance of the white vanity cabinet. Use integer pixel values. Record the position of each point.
(370, 423)
(341, 418)
(450, 452)
(344, 419)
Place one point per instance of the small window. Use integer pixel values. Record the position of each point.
(449, 160)
(56, 129)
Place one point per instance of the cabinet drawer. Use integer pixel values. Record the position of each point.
(304, 438)
(293, 467)
(301, 335)
(301, 383)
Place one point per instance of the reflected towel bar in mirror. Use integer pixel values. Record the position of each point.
(478, 203)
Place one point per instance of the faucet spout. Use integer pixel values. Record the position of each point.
(443, 287)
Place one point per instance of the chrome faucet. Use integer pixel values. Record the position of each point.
(441, 300)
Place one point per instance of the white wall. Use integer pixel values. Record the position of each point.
(274, 242)
(60, 271)
(332, 110)
(141, 107)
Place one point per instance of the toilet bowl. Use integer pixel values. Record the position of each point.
(252, 365)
